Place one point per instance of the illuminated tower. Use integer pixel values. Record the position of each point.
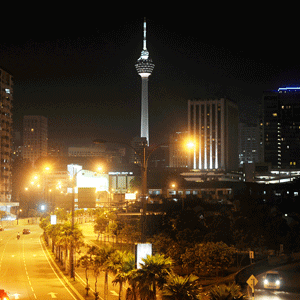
(144, 67)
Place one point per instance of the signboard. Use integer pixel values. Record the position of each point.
(252, 281)
(141, 251)
(87, 197)
(53, 219)
(130, 196)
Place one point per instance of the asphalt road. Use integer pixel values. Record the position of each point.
(290, 289)
(26, 272)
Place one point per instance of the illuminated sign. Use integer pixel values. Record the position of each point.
(130, 196)
(53, 219)
(141, 252)
(288, 88)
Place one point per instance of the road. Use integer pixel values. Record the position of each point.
(26, 271)
(290, 289)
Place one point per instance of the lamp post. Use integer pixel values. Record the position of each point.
(144, 158)
(74, 182)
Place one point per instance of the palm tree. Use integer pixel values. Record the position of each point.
(181, 288)
(226, 292)
(102, 255)
(86, 262)
(132, 281)
(68, 237)
(97, 264)
(121, 263)
(153, 273)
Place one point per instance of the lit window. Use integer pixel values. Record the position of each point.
(274, 114)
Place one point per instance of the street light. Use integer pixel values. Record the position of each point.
(74, 182)
(144, 157)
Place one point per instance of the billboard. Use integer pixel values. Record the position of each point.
(141, 251)
(87, 197)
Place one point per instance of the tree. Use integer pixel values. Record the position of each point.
(69, 237)
(152, 275)
(101, 223)
(101, 258)
(209, 258)
(181, 288)
(121, 263)
(226, 292)
(86, 262)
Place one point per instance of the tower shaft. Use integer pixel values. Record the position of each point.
(144, 109)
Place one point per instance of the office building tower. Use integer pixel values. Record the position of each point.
(138, 145)
(281, 127)
(35, 137)
(213, 126)
(249, 144)
(178, 154)
(144, 67)
(6, 99)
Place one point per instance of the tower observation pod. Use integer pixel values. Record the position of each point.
(144, 67)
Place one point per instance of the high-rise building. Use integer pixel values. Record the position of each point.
(178, 154)
(281, 127)
(35, 137)
(213, 126)
(144, 67)
(6, 99)
(249, 144)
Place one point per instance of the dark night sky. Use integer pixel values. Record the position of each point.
(80, 73)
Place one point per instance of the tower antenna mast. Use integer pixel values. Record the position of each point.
(145, 32)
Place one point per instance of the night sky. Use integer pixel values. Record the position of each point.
(80, 73)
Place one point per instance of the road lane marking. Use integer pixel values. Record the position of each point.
(26, 270)
(48, 257)
(53, 295)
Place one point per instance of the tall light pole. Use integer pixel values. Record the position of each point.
(144, 158)
(74, 182)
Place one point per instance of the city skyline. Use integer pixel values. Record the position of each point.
(85, 83)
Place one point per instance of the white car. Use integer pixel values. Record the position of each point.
(272, 280)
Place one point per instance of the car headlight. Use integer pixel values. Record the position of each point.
(266, 281)
(277, 282)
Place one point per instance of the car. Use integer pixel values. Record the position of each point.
(272, 280)
(26, 231)
(3, 295)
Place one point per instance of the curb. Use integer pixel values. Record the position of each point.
(61, 274)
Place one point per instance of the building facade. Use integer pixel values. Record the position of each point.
(178, 154)
(249, 144)
(281, 127)
(6, 99)
(35, 137)
(213, 126)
